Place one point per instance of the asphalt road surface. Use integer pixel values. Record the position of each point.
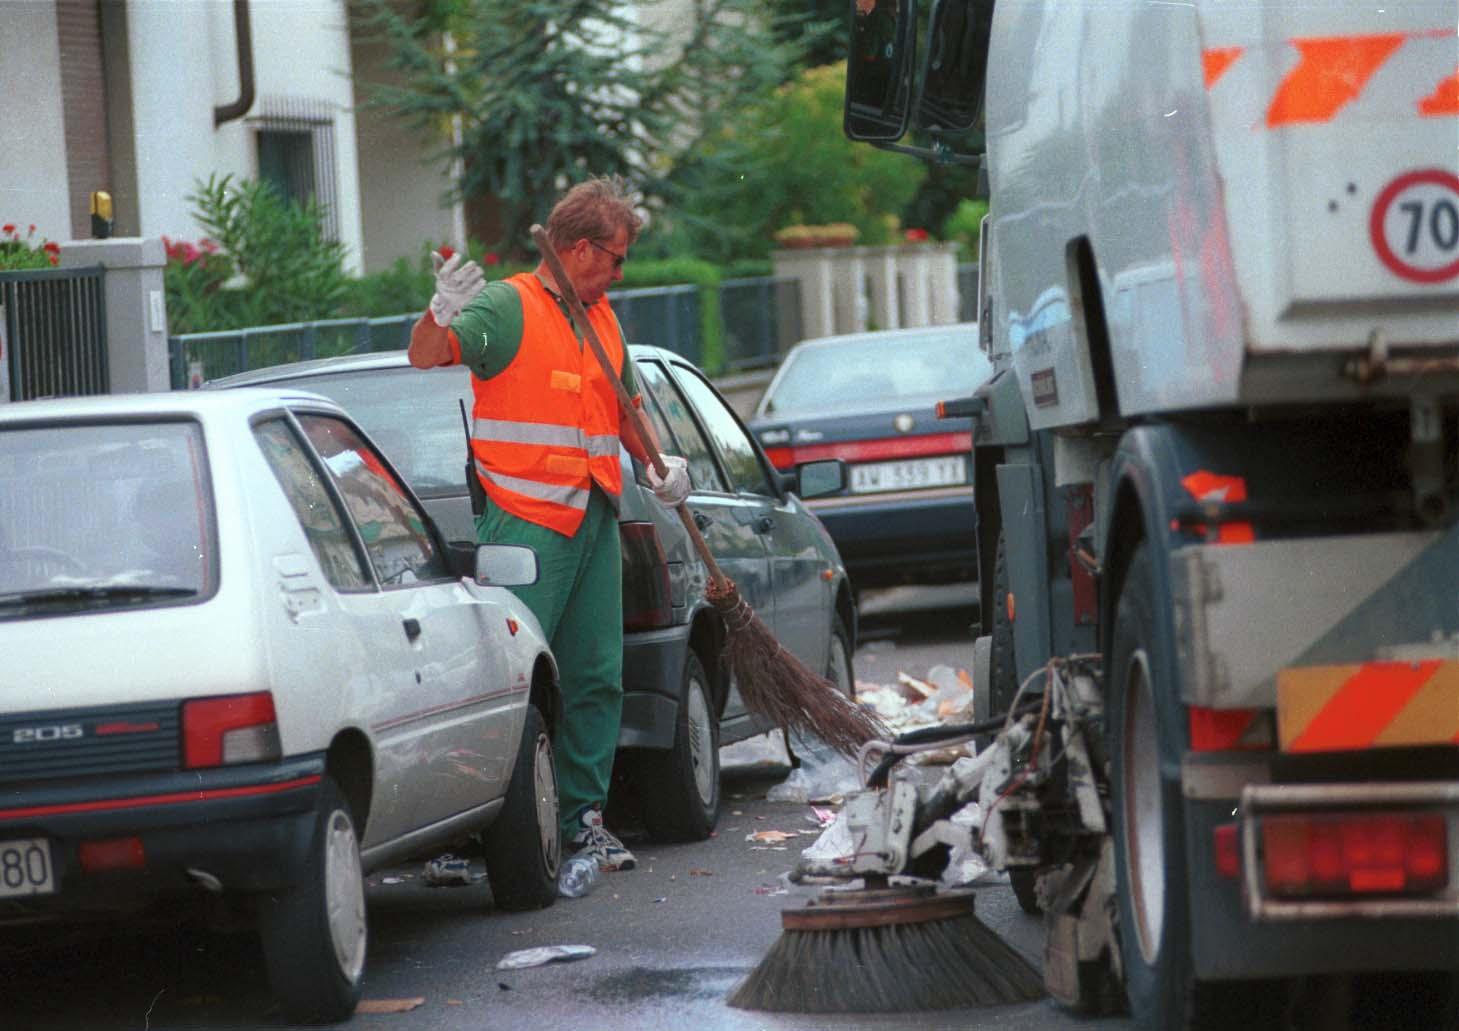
(671, 938)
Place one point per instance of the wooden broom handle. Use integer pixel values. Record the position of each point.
(640, 425)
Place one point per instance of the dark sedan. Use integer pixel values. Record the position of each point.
(869, 399)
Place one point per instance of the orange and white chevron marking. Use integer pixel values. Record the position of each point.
(1332, 72)
(1368, 705)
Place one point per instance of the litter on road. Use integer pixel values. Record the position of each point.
(389, 1005)
(542, 954)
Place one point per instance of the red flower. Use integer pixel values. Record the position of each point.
(8, 227)
(51, 247)
(916, 235)
(492, 259)
(54, 260)
(445, 251)
(32, 227)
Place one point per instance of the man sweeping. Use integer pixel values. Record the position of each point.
(545, 438)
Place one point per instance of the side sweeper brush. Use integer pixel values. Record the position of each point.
(886, 949)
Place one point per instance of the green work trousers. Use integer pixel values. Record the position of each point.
(578, 599)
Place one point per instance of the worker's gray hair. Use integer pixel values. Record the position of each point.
(594, 210)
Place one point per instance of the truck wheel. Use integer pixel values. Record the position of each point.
(522, 847)
(679, 788)
(314, 936)
(1003, 666)
(1149, 850)
(839, 670)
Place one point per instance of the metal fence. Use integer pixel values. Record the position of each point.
(662, 316)
(198, 357)
(54, 333)
(758, 321)
(761, 319)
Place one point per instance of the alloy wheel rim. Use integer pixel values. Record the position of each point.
(1144, 818)
(544, 786)
(701, 738)
(344, 893)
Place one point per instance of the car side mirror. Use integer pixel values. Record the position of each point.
(817, 479)
(505, 565)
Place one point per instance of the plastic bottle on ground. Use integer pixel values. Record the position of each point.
(577, 876)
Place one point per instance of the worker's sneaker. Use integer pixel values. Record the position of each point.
(593, 839)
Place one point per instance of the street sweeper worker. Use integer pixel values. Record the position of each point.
(545, 438)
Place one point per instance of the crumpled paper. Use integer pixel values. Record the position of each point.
(542, 954)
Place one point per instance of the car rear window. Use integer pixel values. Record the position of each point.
(856, 372)
(412, 415)
(106, 505)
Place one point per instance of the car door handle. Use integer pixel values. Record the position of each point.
(412, 629)
(764, 524)
(703, 522)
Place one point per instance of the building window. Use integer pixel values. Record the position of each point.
(295, 140)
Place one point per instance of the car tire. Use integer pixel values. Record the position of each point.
(314, 937)
(523, 846)
(840, 668)
(1003, 664)
(678, 788)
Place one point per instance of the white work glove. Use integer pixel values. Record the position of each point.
(675, 486)
(456, 284)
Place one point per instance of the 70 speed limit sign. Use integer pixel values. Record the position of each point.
(1415, 226)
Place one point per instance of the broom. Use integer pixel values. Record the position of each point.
(886, 950)
(774, 684)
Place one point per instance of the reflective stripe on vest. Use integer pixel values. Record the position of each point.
(572, 497)
(545, 428)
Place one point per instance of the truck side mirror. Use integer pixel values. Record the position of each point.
(956, 69)
(878, 69)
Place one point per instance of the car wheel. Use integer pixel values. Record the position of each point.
(679, 788)
(314, 936)
(839, 670)
(523, 845)
(1003, 666)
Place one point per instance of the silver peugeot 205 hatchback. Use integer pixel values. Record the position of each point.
(240, 661)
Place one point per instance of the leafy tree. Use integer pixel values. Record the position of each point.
(264, 261)
(791, 164)
(823, 30)
(547, 92)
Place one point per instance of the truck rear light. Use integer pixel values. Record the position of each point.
(647, 599)
(112, 854)
(1227, 730)
(1349, 854)
(233, 729)
(1226, 849)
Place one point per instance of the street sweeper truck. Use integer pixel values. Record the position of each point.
(1216, 479)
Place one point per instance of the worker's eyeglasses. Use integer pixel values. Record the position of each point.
(618, 259)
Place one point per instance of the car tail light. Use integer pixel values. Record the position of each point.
(112, 854)
(232, 729)
(878, 450)
(647, 602)
(1347, 854)
(1227, 730)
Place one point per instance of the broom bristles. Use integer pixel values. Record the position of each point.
(953, 963)
(778, 687)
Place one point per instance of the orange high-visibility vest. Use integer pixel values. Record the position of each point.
(545, 428)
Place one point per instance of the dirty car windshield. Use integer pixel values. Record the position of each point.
(855, 372)
(103, 514)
